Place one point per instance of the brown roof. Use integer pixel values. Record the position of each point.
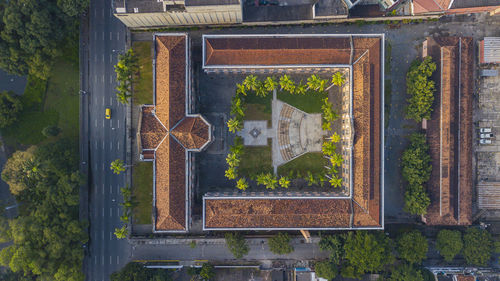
(192, 132)
(170, 183)
(450, 132)
(170, 71)
(277, 213)
(465, 278)
(152, 131)
(277, 50)
(365, 204)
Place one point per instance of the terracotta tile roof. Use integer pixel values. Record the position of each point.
(170, 71)
(450, 132)
(277, 213)
(277, 50)
(366, 114)
(465, 278)
(427, 6)
(192, 132)
(170, 182)
(152, 131)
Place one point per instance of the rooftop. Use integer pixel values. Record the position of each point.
(328, 8)
(363, 207)
(450, 132)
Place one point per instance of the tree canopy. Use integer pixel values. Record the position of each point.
(478, 246)
(335, 245)
(326, 269)
(449, 243)
(416, 171)
(406, 272)
(10, 106)
(137, 272)
(412, 247)
(280, 244)
(421, 89)
(366, 252)
(47, 236)
(236, 244)
(31, 33)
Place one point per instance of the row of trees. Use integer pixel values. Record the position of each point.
(31, 33)
(126, 70)
(356, 253)
(421, 89)
(416, 171)
(128, 205)
(278, 244)
(47, 236)
(329, 150)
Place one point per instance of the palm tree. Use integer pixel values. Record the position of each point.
(250, 82)
(124, 218)
(335, 138)
(287, 84)
(242, 184)
(313, 82)
(311, 179)
(231, 173)
(335, 181)
(240, 89)
(122, 232)
(328, 148)
(336, 160)
(270, 84)
(284, 182)
(237, 107)
(234, 125)
(122, 94)
(117, 166)
(126, 192)
(260, 89)
(301, 89)
(338, 79)
(233, 160)
(237, 147)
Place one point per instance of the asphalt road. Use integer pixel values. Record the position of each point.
(106, 139)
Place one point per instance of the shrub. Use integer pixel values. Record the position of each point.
(207, 272)
(10, 106)
(242, 184)
(280, 244)
(51, 131)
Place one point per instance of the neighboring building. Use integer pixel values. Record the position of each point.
(449, 131)
(428, 7)
(156, 13)
(170, 133)
(489, 50)
(363, 55)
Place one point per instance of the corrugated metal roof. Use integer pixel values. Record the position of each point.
(491, 49)
(488, 195)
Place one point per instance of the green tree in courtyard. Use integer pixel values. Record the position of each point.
(10, 106)
(366, 252)
(412, 247)
(449, 243)
(280, 244)
(335, 181)
(338, 79)
(284, 182)
(421, 89)
(207, 272)
(270, 84)
(335, 245)
(478, 246)
(251, 82)
(241, 90)
(234, 125)
(233, 160)
(406, 272)
(287, 84)
(117, 166)
(231, 173)
(326, 269)
(122, 232)
(236, 244)
(301, 89)
(416, 200)
(242, 184)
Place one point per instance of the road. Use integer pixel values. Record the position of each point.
(105, 38)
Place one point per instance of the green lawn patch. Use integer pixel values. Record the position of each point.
(34, 93)
(256, 112)
(256, 160)
(143, 87)
(28, 129)
(142, 189)
(310, 102)
(310, 162)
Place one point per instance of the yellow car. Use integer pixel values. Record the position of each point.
(108, 113)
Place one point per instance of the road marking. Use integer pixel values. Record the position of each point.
(118, 144)
(96, 126)
(95, 58)
(111, 79)
(103, 100)
(96, 140)
(111, 210)
(110, 261)
(95, 36)
(118, 211)
(103, 149)
(110, 146)
(110, 36)
(95, 79)
(118, 36)
(110, 238)
(103, 170)
(95, 259)
(103, 33)
(117, 259)
(103, 194)
(102, 13)
(102, 258)
(103, 127)
(118, 123)
(111, 122)
(111, 58)
(103, 216)
(103, 232)
(103, 74)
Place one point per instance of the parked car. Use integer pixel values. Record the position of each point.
(486, 136)
(485, 130)
(485, 141)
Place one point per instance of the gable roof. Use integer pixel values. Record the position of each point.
(361, 210)
(449, 132)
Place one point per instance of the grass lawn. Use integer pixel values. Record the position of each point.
(312, 162)
(55, 105)
(143, 88)
(142, 188)
(310, 102)
(256, 160)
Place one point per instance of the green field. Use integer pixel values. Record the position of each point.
(143, 87)
(142, 189)
(57, 104)
(256, 160)
(310, 162)
(310, 102)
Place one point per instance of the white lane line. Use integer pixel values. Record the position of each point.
(103, 100)
(117, 212)
(95, 58)
(110, 57)
(110, 260)
(103, 127)
(118, 36)
(102, 258)
(102, 13)
(111, 78)
(111, 122)
(110, 146)
(96, 140)
(95, 36)
(103, 149)
(96, 122)
(95, 167)
(103, 211)
(110, 238)
(110, 192)
(103, 170)
(118, 144)
(103, 235)
(117, 259)
(118, 123)
(111, 100)
(103, 33)
(111, 210)
(103, 194)
(110, 36)
(103, 59)
(95, 79)
(103, 74)
(95, 259)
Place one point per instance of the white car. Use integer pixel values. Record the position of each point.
(485, 141)
(485, 130)
(486, 136)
